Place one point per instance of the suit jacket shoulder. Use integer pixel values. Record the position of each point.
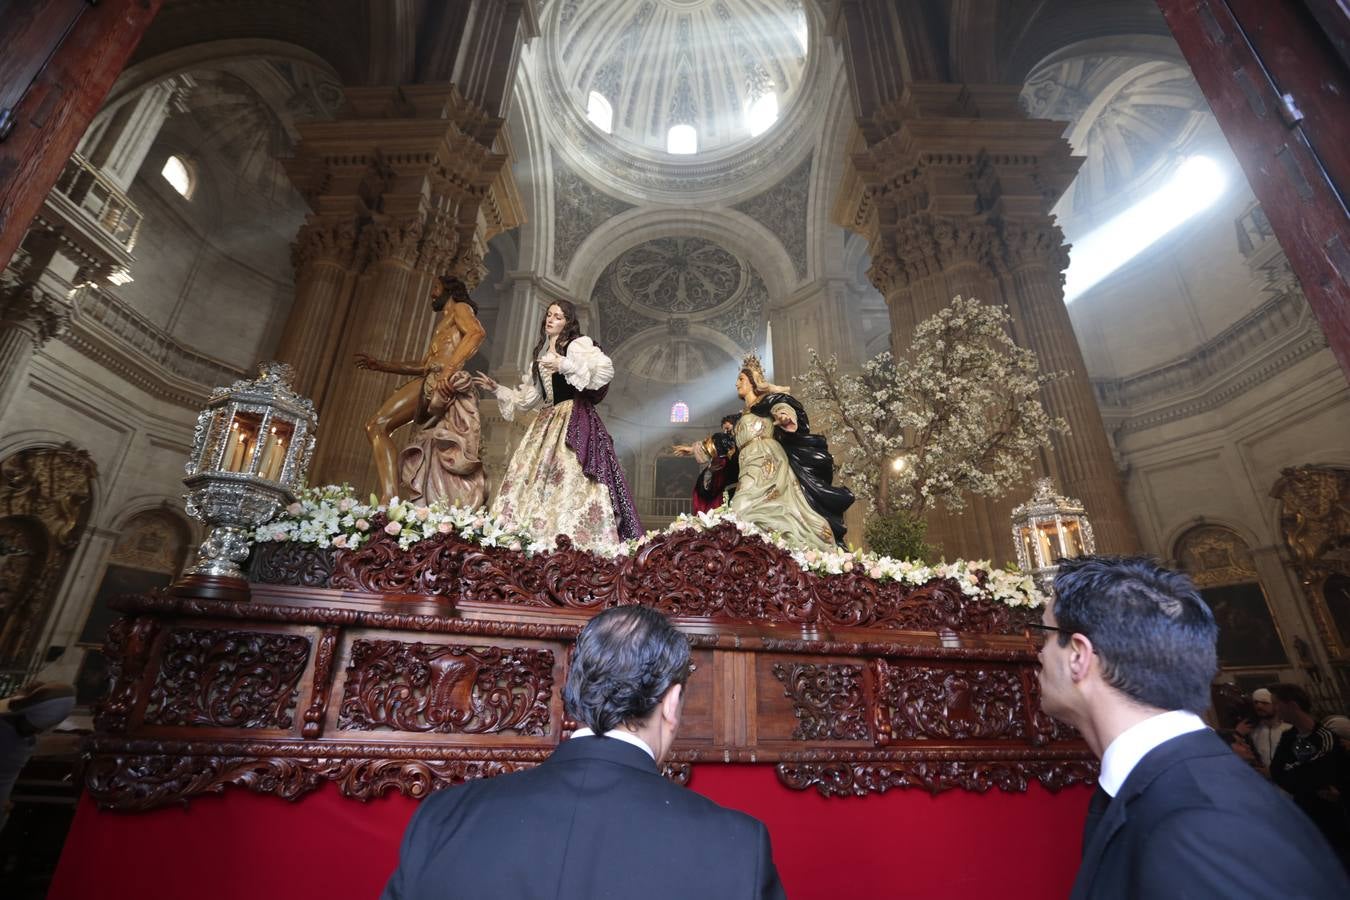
(596, 819)
(1193, 819)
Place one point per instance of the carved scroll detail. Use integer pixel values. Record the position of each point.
(228, 679)
(826, 699)
(447, 688)
(933, 702)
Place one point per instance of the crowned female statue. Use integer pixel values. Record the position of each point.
(786, 472)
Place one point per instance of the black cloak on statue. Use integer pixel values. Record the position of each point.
(809, 456)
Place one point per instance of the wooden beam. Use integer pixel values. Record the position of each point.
(1277, 86)
(72, 70)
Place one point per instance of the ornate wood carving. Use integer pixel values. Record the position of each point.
(933, 702)
(293, 564)
(447, 689)
(141, 775)
(848, 779)
(826, 699)
(228, 679)
(128, 650)
(718, 574)
(323, 683)
(868, 707)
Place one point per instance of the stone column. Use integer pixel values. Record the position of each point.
(406, 188)
(29, 315)
(952, 186)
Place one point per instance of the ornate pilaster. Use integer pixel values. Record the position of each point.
(29, 316)
(409, 186)
(952, 186)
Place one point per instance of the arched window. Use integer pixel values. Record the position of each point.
(1219, 562)
(600, 112)
(178, 175)
(682, 139)
(679, 413)
(763, 113)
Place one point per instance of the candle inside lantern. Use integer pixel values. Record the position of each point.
(274, 455)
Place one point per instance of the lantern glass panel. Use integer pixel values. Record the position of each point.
(1072, 539)
(1028, 546)
(1048, 539)
(280, 435)
(242, 441)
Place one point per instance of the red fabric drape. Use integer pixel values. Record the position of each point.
(900, 844)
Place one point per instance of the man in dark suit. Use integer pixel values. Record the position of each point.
(1128, 659)
(597, 819)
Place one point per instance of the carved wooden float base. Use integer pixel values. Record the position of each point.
(411, 693)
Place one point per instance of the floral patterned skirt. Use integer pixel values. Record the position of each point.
(545, 490)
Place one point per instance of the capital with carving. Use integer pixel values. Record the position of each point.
(31, 310)
(324, 242)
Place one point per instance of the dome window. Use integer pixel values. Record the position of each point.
(679, 413)
(178, 175)
(682, 139)
(599, 111)
(763, 113)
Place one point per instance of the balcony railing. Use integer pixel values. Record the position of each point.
(101, 200)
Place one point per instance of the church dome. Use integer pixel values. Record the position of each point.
(681, 77)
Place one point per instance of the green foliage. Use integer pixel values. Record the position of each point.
(899, 535)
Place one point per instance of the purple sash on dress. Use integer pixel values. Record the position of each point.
(586, 435)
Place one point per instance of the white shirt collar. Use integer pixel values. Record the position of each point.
(619, 735)
(1134, 743)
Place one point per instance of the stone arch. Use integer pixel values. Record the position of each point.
(1219, 561)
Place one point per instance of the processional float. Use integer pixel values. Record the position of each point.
(410, 666)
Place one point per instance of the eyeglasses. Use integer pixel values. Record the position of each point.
(1039, 633)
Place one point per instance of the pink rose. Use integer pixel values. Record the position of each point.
(393, 528)
(848, 565)
(874, 572)
(445, 527)
(279, 536)
(479, 522)
(515, 545)
(293, 509)
(340, 541)
(362, 525)
(422, 513)
(346, 504)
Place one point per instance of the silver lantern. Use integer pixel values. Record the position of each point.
(250, 454)
(1049, 527)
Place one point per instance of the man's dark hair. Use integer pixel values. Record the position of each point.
(454, 288)
(625, 660)
(1291, 693)
(730, 420)
(1154, 635)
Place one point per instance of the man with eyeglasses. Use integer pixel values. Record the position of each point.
(1128, 656)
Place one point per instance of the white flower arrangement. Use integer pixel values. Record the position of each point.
(331, 517)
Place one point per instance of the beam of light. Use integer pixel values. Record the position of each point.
(1197, 184)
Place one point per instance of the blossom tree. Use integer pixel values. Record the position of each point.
(958, 414)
